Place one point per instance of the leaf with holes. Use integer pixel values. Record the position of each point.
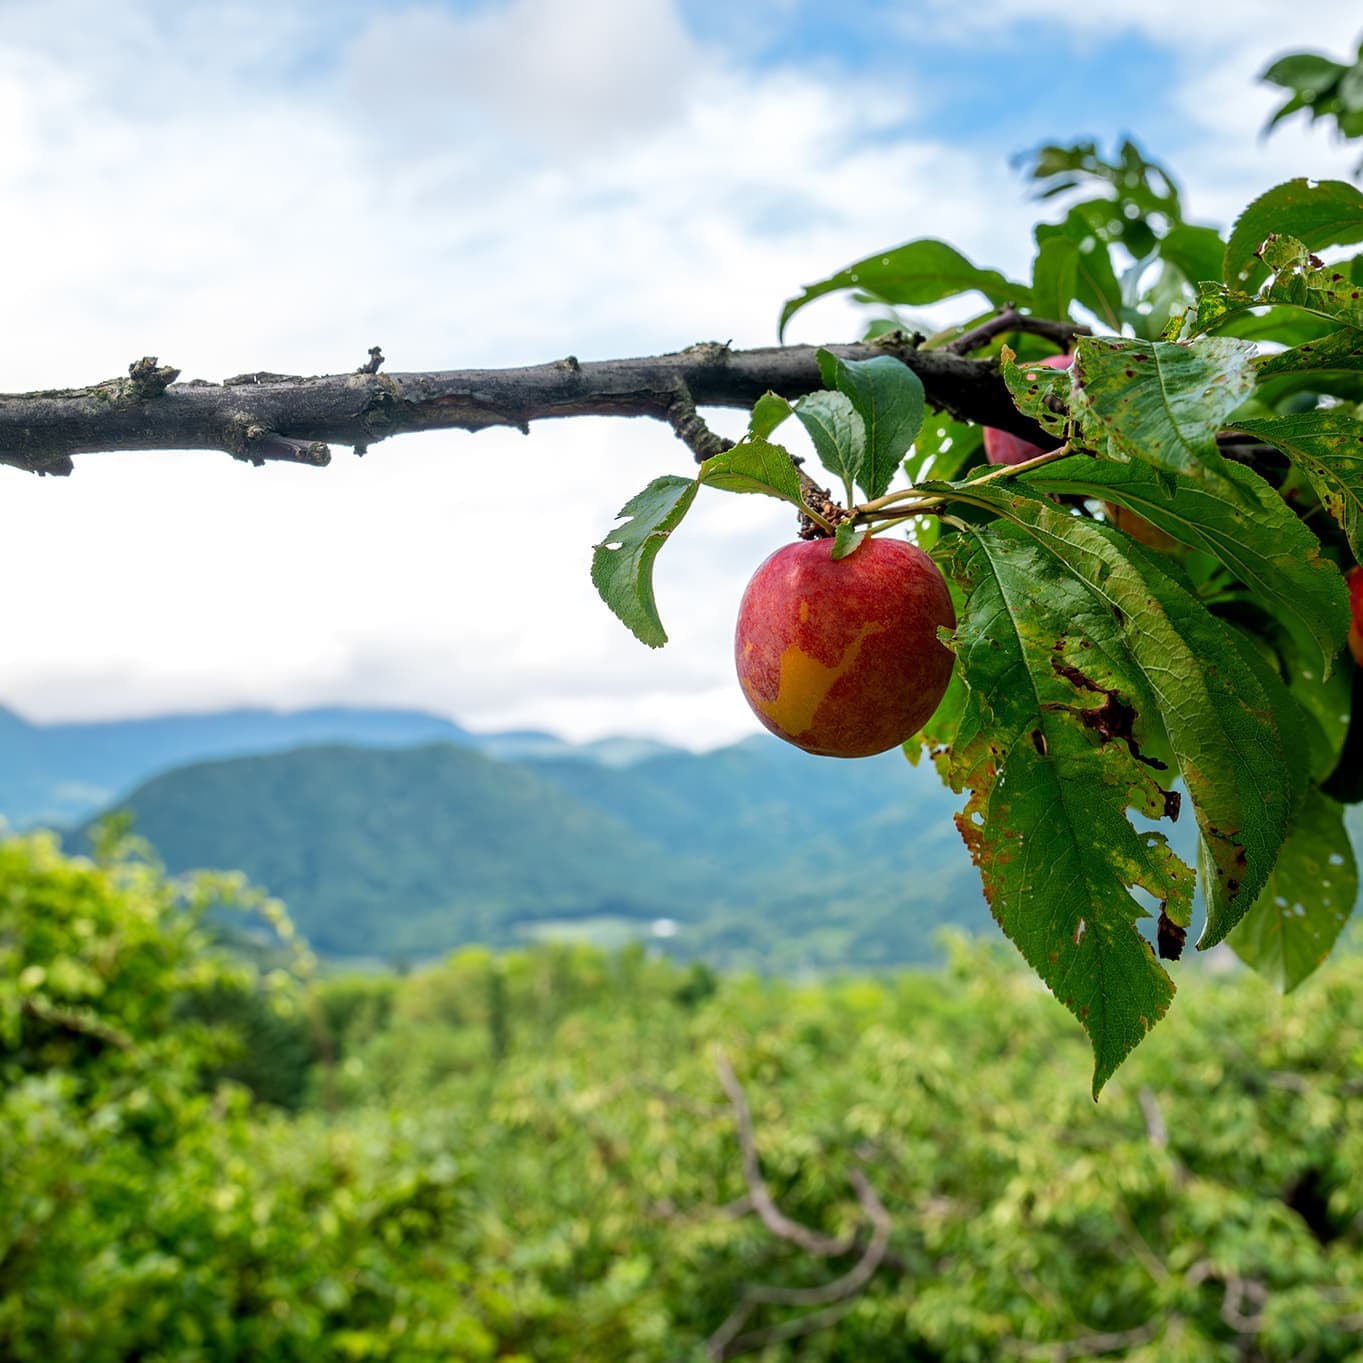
(1159, 402)
(1220, 714)
(1049, 745)
(1318, 213)
(622, 564)
(1307, 901)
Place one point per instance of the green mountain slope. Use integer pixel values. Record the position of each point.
(765, 857)
(411, 850)
(58, 773)
(63, 773)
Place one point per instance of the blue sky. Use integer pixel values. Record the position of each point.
(280, 184)
(1022, 82)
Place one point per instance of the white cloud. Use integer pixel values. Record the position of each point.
(280, 186)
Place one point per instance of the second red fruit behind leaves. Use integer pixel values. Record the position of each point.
(1002, 447)
(1356, 613)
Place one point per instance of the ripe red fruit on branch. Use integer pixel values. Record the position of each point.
(1001, 447)
(1356, 614)
(840, 656)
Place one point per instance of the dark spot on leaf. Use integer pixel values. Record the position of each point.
(1170, 937)
(1130, 373)
(1039, 742)
(1113, 719)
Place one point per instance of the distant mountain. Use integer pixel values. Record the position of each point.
(62, 773)
(763, 856)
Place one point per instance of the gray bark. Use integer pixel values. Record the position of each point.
(261, 417)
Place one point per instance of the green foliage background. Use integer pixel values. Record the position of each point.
(530, 1156)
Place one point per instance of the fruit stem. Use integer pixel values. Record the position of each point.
(911, 502)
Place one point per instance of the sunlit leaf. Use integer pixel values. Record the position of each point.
(1327, 445)
(768, 412)
(1196, 252)
(1339, 352)
(1318, 213)
(943, 447)
(1096, 284)
(917, 272)
(1055, 275)
(1236, 517)
(753, 465)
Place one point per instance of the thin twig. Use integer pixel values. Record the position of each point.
(772, 1217)
(77, 1021)
(1109, 1342)
(1010, 319)
(831, 1299)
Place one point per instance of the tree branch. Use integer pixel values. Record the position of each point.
(262, 417)
(831, 1299)
(773, 1218)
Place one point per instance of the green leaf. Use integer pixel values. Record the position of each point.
(768, 412)
(1160, 402)
(1218, 716)
(838, 434)
(753, 465)
(1039, 391)
(888, 396)
(1327, 445)
(1196, 252)
(1339, 352)
(1235, 516)
(943, 447)
(1304, 71)
(1055, 275)
(1096, 284)
(847, 540)
(622, 564)
(1302, 910)
(1048, 745)
(917, 272)
(1318, 213)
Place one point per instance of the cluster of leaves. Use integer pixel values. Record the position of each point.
(1108, 678)
(1321, 86)
(530, 1156)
